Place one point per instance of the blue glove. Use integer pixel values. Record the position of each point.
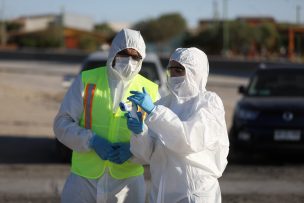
(121, 153)
(143, 100)
(101, 146)
(136, 126)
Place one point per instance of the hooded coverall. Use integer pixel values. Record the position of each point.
(186, 143)
(105, 187)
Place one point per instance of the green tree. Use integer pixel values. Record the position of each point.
(13, 26)
(209, 39)
(267, 36)
(163, 28)
(50, 38)
(105, 29)
(241, 37)
(88, 43)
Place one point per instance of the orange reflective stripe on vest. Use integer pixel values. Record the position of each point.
(88, 98)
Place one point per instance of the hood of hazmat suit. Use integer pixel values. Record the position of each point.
(118, 81)
(186, 143)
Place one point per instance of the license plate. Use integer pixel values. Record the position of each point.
(287, 135)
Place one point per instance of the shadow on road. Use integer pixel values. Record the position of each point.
(28, 150)
(275, 158)
(47, 150)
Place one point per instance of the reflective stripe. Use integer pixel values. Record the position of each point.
(88, 100)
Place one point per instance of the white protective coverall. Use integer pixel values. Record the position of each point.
(67, 130)
(186, 143)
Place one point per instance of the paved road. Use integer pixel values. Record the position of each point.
(31, 169)
(37, 182)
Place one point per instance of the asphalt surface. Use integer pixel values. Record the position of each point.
(32, 170)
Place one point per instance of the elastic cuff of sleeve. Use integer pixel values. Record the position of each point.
(90, 141)
(150, 114)
(152, 110)
(133, 159)
(145, 129)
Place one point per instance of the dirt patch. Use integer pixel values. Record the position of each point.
(29, 102)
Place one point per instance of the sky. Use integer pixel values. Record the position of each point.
(132, 11)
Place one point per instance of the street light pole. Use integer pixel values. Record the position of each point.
(298, 9)
(225, 27)
(62, 21)
(3, 27)
(298, 37)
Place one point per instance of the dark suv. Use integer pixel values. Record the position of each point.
(271, 113)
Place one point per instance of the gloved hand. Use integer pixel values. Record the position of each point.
(101, 146)
(121, 153)
(136, 126)
(143, 100)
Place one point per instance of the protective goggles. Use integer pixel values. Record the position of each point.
(125, 53)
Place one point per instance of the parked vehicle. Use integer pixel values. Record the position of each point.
(151, 69)
(270, 115)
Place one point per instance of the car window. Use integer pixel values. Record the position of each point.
(91, 64)
(277, 83)
(148, 69)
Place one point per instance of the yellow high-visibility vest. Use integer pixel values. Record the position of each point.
(99, 117)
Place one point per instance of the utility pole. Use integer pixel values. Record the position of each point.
(3, 27)
(298, 37)
(298, 14)
(61, 24)
(225, 27)
(215, 11)
(216, 16)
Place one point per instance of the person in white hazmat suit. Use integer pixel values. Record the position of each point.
(90, 123)
(186, 143)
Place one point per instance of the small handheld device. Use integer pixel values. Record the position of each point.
(129, 107)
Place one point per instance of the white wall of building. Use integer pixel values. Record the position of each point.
(78, 22)
(37, 23)
(117, 26)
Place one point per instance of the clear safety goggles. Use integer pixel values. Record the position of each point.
(175, 71)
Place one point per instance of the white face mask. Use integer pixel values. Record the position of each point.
(125, 66)
(174, 83)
